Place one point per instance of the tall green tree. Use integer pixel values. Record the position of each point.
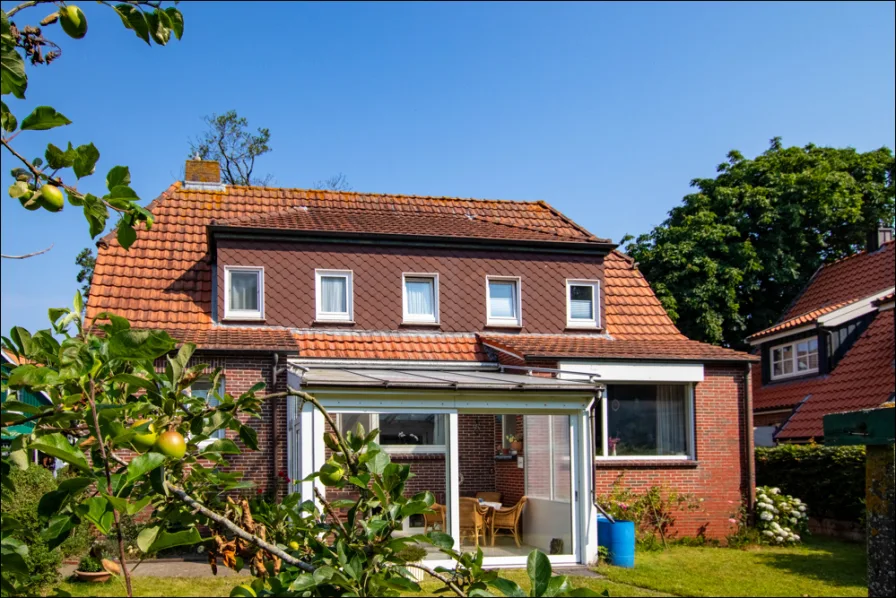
(729, 259)
(229, 141)
(87, 262)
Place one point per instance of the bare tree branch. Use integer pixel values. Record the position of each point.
(27, 255)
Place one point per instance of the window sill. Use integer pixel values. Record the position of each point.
(580, 327)
(503, 325)
(333, 322)
(506, 457)
(789, 377)
(412, 323)
(645, 463)
(234, 319)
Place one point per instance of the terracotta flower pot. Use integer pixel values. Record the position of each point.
(93, 577)
(516, 445)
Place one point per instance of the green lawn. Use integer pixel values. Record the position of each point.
(818, 568)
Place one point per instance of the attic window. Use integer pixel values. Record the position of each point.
(334, 295)
(795, 359)
(581, 304)
(244, 293)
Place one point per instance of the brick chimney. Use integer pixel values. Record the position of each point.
(878, 237)
(203, 174)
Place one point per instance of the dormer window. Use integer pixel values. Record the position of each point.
(244, 293)
(795, 359)
(333, 292)
(581, 304)
(420, 301)
(503, 301)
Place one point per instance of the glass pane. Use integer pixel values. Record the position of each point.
(333, 294)
(203, 389)
(348, 421)
(538, 456)
(411, 429)
(581, 302)
(787, 352)
(503, 299)
(244, 291)
(813, 361)
(560, 460)
(788, 366)
(777, 369)
(420, 296)
(802, 364)
(647, 420)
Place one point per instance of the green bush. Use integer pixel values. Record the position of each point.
(31, 484)
(829, 478)
(780, 518)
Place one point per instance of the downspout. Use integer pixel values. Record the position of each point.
(751, 451)
(596, 504)
(274, 427)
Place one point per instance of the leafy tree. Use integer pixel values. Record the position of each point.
(140, 440)
(39, 183)
(728, 261)
(87, 261)
(229, 141)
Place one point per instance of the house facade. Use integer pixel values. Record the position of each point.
(450, 325)
(831, 351)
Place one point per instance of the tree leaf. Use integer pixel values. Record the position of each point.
(146, 537)
(249, 437)
(140, 345)
(177, 21)
(168, 540)
(57, 446)
(118, 176)
(59, 158)
(538, 567)
(86, 159)
(143, 464)
(133, 18)
(225, 446)
(43, 118)
(7, 119)
(377, 465)
(126, 235)
(441, 540)
(31, 376)
(12, 72)
(507, 587)
(96, 213)
(160, 34)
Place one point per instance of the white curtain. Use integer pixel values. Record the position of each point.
(671, 422)
(581, 309)
(503, 299)
(420, 297)
(333, 297)
(244, 290)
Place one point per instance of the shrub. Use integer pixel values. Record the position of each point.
(653, 511)
(43, 563)
(90, 564)
(831, 479)
(780, 518)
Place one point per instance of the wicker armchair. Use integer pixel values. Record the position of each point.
(489, 496)
(437, 518)
(472, 518)
(509, 520)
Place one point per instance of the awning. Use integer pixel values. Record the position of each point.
(437, 379)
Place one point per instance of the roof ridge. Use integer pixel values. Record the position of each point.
(572, 222)
(858, 254)
(366, 194)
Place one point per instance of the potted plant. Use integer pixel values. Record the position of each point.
(516, 443)
(91, 569)
(612, 442)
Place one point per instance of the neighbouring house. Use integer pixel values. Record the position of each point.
(449, 324)
(9, 361)
(831, 351)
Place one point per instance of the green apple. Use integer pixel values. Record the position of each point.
(171, 444)
(73, 21)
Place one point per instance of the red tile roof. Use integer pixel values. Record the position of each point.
(239, 339)
(593, 346)
(164, 280)
(854, 277)
(632, 310)
(782, 395)
(343, 220)
(800, 320)
(426, 347)
(865, 378)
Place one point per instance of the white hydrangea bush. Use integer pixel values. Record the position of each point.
(780, 518)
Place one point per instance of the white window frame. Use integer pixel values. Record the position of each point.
(594, 322)
(408, 318)
(222, 385)
(491, 320)
(794, 359)
(244, 314)
(322, 316)
(507, 420)
(403, 449)
(602, 444)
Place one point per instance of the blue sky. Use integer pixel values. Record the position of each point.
(606, 111)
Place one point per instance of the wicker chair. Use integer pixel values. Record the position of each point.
(508, 519)
(431, 520)
(489, 496)
(472, 518)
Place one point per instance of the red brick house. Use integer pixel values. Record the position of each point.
(831, 351)
(449, 324)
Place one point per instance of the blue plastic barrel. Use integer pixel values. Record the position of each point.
(604, 531)
(621, 543)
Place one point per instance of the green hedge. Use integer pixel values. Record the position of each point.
(830, 479)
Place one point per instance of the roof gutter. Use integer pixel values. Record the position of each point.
(217, 231)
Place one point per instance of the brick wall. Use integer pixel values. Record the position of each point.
(718, 476)
(289, 282)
